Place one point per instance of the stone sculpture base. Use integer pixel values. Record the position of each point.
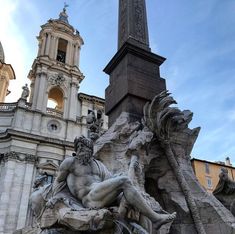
(160, 181)
(58, 230)
(82, 220)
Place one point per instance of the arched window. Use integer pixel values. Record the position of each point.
(61, 51)
(56, 99)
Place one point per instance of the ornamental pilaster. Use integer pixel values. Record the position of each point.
(48, 42)
(75, 55)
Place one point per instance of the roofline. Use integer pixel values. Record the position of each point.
(205, 161)
(91, 97)
(7, 64)
(10, 134)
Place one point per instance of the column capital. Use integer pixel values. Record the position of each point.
(74, 84)
(41, 74)
(14, 156)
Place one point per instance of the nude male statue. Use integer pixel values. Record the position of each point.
(90, 182)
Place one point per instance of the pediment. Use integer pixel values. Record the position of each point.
(48, 166)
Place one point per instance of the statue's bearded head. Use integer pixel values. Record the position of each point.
(84, 149)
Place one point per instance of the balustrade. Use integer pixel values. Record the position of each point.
(7, 106)
(54, 112)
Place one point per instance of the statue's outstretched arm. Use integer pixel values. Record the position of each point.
(64, 169)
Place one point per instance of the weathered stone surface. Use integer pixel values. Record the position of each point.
(84, 220)
(134, 70)
(193, 204)
(225, 191)
(112, 149)
(80, 197)
(133, 23)
(28, 230)
(134, 80)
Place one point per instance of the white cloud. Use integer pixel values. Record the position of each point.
(12, 41)
(16, 47)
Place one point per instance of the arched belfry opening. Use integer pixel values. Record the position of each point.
(53, 85)
(61, 51)
(56, 99)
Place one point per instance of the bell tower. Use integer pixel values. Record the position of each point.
(6, 74)
(55, 74)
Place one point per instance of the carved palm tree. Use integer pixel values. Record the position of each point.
(165, 121)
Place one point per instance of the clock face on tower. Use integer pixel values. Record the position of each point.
(61, 56)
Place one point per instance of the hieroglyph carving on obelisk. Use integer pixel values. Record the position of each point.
(133, 22)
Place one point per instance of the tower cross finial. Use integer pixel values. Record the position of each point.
(65, 6)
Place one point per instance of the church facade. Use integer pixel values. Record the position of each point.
(37, 131)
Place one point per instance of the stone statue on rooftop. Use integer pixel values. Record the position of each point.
(225, 191)
(25, 92)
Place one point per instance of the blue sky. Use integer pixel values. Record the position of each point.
(197, 37)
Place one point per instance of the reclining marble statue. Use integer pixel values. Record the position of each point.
(84, 184)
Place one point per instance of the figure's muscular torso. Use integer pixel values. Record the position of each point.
(81, 178)
(96, 187)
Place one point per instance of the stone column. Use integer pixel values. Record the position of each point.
(39, 47)
(15, 190)
(71, 55)
(48, 44)
(52, 44)
(66, 108)
(32, 91)
(72, 105)
(45, 101)
(75, 57)
(68, 56)
(56, 47)
(78, 57)
(26, 191)
(6, 184)
(36, 90)
(42, 52)
(15, 197)
(41, 91)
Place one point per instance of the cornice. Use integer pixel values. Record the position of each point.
(21, 157)
(10, 133)
(54, 65)
(129, 48)
(91, 98)
(58, 26)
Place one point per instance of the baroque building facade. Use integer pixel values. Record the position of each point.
(208, 172)
(37, 131)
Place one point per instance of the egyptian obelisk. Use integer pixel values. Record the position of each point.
(134, 69)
